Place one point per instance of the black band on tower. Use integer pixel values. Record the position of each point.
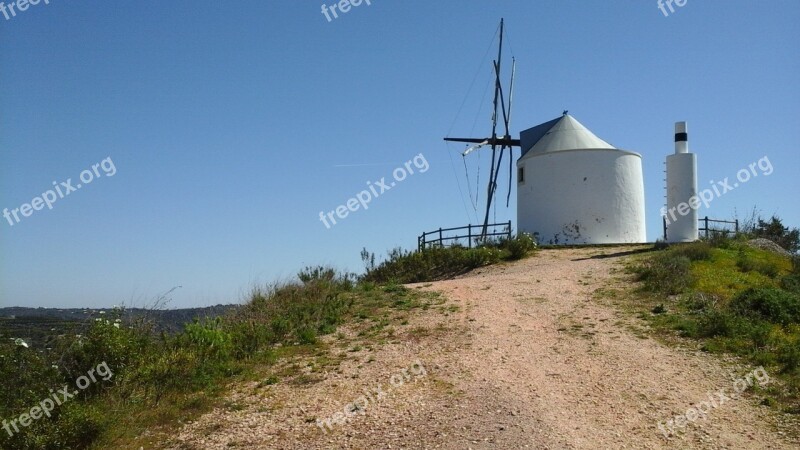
(681, 137)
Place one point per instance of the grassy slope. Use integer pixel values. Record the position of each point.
(689, 294)
(375, 312)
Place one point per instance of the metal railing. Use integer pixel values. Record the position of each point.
(705, 227)
(474, 235)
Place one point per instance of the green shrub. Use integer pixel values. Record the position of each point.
(208, 338)
(520, 246)
(171, 370)
(307, 335)
(695, 251)
(788, 352)
(327, 276)
(394, 287)
(789, 356)
(791, 283)
(432, 264)
(479, 257)
(716, 323)
(71, 425)
(700, 301)
(721, 239)
(79, 425)
(667, 272)
(295, 313)
(748, 264)
(27, 377)
(318, 273)
(438, 263)
(770, 304)
(249, 336)
(760, 334)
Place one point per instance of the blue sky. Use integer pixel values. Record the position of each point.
(231, 125)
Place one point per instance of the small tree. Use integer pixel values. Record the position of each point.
(776, 232)
(368, 259)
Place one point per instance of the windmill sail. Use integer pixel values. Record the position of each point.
(499, 144)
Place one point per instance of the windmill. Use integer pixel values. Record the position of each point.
(499, 144)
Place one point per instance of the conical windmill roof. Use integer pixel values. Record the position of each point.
(563, 133)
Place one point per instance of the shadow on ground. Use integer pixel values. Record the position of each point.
(618, 254)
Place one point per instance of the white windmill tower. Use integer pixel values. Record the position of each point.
(575, 188)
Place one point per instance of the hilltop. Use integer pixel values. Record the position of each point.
(535, 354)
(692, 346)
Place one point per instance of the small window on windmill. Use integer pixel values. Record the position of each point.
(521, 175)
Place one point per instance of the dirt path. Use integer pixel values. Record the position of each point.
(529, 359)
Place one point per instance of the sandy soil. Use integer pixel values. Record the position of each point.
(531, 358)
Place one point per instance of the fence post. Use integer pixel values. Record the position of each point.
(737, 227)
(469, 235)
(509, 229)
(664, 221)
(440, 236)
(706, 227)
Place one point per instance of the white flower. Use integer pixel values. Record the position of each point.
(21, 343)
(116, 325)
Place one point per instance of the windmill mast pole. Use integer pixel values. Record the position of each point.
(508, 123)
(501, 144)
(492, 184)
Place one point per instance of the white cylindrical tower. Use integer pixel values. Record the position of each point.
(575, 188)
(681, 211)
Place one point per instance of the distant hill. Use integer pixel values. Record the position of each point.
(39, 326)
